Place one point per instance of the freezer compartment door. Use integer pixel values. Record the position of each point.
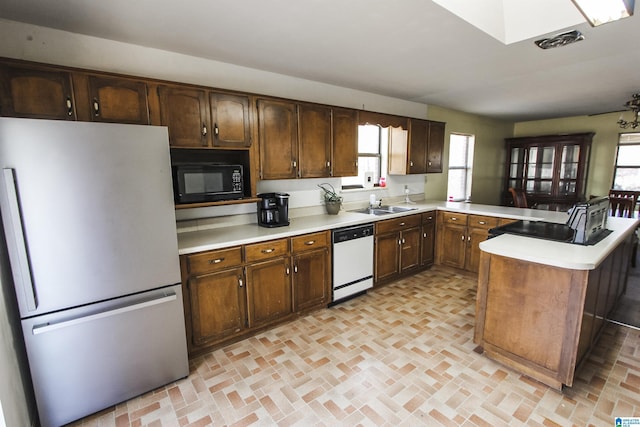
(86, 359)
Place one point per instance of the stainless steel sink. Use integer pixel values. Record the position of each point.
(396, 209)
(383, 210)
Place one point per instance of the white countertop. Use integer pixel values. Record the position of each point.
(565, 255)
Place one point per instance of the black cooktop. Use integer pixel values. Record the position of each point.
(539, 229)
(544, 230)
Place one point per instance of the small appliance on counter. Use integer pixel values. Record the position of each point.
(273, 210)
(589, 219)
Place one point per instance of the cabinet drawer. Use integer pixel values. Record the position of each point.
(207, 262)
(483, 222)
(266, 250)
(454, 218)
(398, 224)
(428, 217)
(309, 242)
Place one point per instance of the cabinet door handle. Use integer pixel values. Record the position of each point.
(328, 164)
(216, 261)
(468, 238)
(216, 131)
(295, 268)
(462, 237)
(294, 164)
(96, 107)
(482, 222)
(268, 251)
(402, 224)
(430, 218)
(287, 271)
(424, 235)
(310, 242)
(453, 218)
(240, 282)
(403, 241)
(399, 242)
(204, 130)
(69, 106)
(411, 163)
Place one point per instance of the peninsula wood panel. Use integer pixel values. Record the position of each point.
(531, 317)
(544, 320)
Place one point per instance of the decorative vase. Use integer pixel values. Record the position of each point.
(333, 207)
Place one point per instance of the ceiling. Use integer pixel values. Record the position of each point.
(410, 49)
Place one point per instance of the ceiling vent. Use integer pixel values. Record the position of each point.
(560, 40)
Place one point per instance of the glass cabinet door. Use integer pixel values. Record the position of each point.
(569, 163)
(540, 162)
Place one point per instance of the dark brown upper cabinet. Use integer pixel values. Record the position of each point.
(421, 152)
(230, 120)
(344, 148)
(185, 112)
(115, 100)
(34, 92)
(314, 129)
(278, 136)
(435, 147)
(418, 145)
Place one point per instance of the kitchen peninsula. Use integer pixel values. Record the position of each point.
(540, 305)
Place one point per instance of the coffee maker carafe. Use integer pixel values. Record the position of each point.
(273, 210)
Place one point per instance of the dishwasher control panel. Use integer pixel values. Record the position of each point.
(350, 233)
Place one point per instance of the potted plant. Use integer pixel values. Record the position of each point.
(332, 201)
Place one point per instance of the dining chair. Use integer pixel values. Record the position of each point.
(621, 207)
(519, 197)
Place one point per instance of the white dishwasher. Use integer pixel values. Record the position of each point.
(352, 261)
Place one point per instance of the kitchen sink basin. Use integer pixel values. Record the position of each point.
(383, 210)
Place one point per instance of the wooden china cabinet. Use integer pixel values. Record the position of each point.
(552, 169)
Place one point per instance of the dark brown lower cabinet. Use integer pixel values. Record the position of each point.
(233, 292)
(311, 270)
(397, 247)
(427, 247)
(218, 307)
(268, 291)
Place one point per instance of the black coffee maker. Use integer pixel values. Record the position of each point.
(273, 209)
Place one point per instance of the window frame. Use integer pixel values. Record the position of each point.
(621, 136)
(360, 155)
(467, 167)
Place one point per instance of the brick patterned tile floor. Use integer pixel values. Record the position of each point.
(401, 355)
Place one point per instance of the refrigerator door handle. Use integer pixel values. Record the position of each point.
(48, 327)
(16, 241)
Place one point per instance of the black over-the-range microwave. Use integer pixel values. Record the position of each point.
(207, 182)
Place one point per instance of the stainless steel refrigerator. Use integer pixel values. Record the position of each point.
(90, 229)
